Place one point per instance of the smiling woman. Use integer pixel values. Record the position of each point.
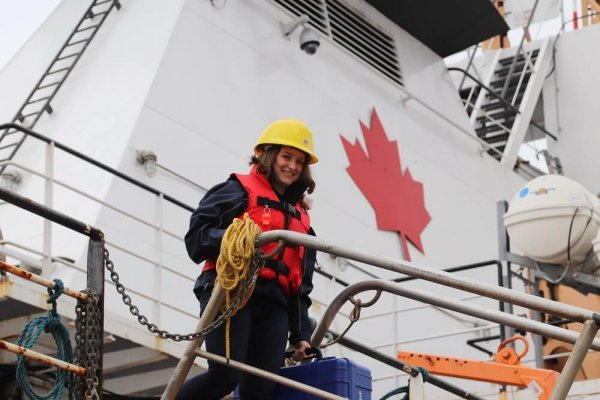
(288, 165)
(272, 195)
(18, 21)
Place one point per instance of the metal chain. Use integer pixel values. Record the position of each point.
(255, 266)
(88, 338)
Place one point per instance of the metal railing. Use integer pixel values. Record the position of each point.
(583, 341)
(95, 277)
(504, 102)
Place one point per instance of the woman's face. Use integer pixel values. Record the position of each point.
(287, 167)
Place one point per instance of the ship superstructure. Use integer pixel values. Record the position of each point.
(173, 95)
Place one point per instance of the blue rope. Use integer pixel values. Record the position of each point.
(406, 389)
(403, 389)
(29, 336)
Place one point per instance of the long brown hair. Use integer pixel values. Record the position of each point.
(264, 164)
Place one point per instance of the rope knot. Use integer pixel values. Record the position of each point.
(424, 372)
(55, 293)
(53, 322)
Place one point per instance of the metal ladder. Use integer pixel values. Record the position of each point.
(55, 75)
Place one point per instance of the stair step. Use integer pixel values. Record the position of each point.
(497, 116)
(504, 70)
(464, 93)
(514, 80)
(509, 94)
(497, 104)
(496, 155)
(487, 129)
(496, 138)
(508, 60)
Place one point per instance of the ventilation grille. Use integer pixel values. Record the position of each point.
(351, 31)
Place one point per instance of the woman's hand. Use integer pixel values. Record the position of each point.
(300, 351)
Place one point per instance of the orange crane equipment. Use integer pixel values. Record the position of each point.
(506, 369)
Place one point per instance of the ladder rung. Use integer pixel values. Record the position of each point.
(48, 85)
(65, 57)
(35, 101)
(30, 114)
(94, 15)
(58, 70)
(77, 42)
(8, 146)
(9, 132)
(86, 29)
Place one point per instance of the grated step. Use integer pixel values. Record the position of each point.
(496, 138)
(497, 116)
(508, 60)
(499, 83)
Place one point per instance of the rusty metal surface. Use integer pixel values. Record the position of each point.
(39, 280)
(50, 214)
(34, 355)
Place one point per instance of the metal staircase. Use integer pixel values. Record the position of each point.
(491, 126)
(55, 75)
(501, 107)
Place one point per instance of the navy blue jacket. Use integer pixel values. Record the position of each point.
(217, 209)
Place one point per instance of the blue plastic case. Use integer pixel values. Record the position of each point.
(339, 376)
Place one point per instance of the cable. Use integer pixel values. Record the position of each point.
(564, 273)
(562, 28)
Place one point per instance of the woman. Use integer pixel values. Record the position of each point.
(272, 194)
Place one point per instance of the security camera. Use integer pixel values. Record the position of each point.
(309, 41)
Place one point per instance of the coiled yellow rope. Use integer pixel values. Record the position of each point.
(237, 250)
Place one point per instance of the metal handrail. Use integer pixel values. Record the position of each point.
(502, 100)
(433, 275)
(95, 259)
(583, 342)
(50, 214)
(97, 164)
(514, 60)
(88, 196)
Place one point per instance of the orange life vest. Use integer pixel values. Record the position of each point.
(269, 213)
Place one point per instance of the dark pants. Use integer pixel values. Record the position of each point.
(258, 337)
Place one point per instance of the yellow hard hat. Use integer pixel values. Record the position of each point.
(289, 132)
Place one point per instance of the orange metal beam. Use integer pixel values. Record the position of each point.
(541, 381)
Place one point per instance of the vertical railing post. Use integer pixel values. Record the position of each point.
(95, 282)
(158, 259)
(503, 247)
(582, 345)
(48, 202)
(537, 316)
(513, 64)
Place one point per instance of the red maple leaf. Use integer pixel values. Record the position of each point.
(397, 199)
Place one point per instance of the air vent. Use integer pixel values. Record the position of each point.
(313, 8)
(351, 31)
(366, 41)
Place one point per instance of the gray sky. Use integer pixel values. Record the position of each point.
(18, 20)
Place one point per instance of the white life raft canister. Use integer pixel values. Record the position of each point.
(550, 216)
